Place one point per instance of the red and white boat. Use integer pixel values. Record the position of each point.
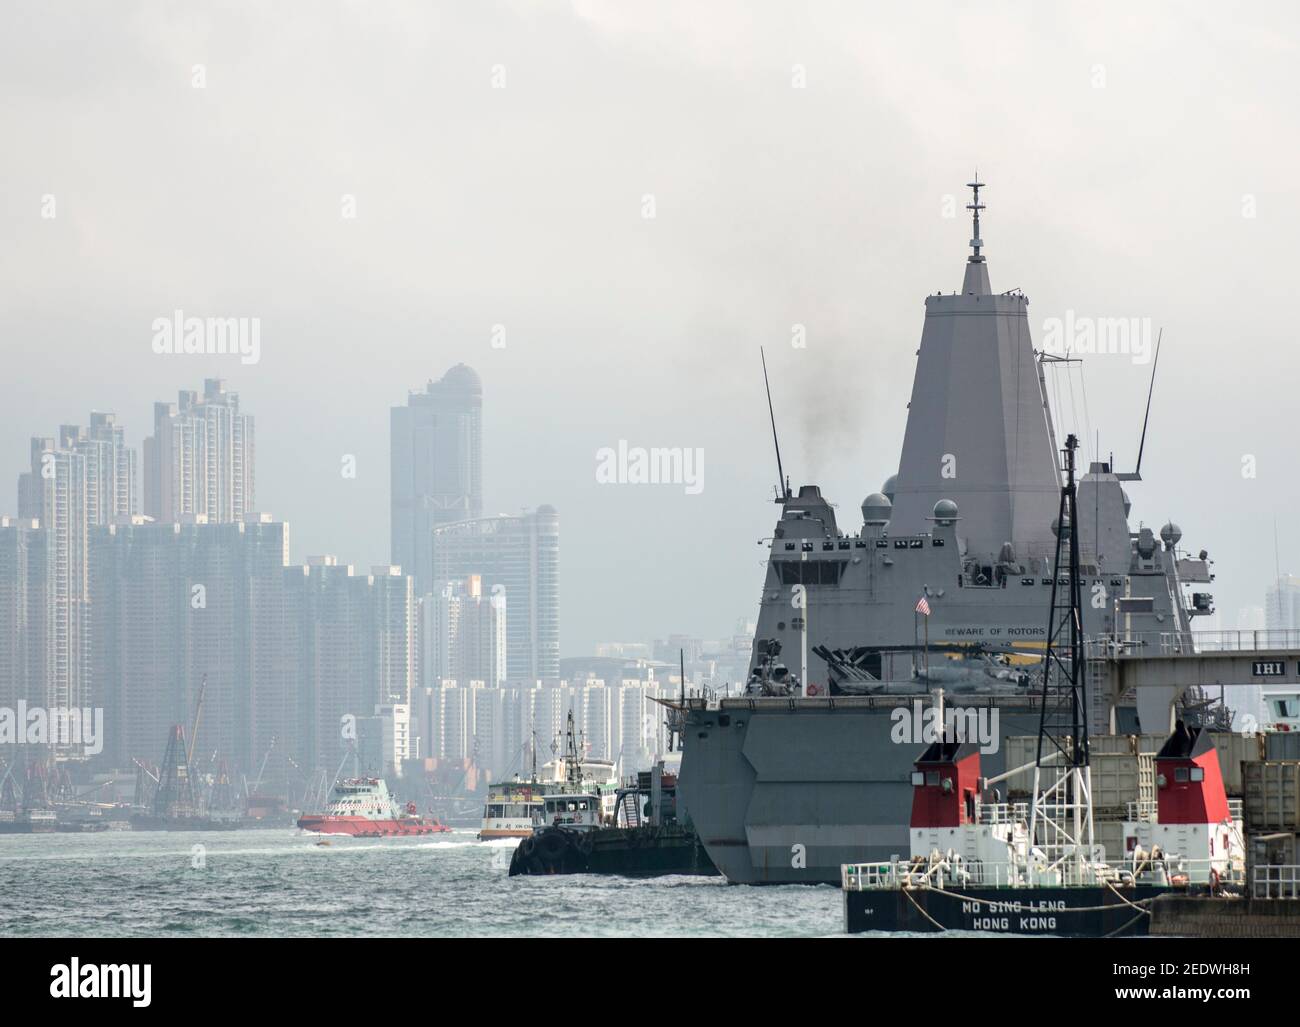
(364, 808)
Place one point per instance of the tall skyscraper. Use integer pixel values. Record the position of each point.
(436, 466)
(78, 481)
(522, 555)
(1282, 604)
(54, 494)
(200, 457)
(23, 545)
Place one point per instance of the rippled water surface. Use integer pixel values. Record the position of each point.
(281, 882)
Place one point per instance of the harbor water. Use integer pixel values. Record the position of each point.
(280, 882)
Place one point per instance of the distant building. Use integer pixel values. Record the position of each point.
(384, 740)
(463, 633)
(23, 621)
(436, 466)
(521, 555)
(357, 651)
(54, 493)
(294, 656)
(200, 458)
(173, 603)
(1282, 604)
(493, 729)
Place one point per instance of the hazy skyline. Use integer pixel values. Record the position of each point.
(498, 157)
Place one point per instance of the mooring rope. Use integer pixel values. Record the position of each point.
(911, 898)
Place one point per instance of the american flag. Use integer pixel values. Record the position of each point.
(923, 607)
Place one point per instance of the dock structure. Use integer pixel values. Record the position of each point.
(1155, 670)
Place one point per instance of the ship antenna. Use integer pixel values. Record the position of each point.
(782, 488)
(1137, 473)
(975, 207)
(675, 736)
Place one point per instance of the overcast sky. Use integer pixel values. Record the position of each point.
(1140, 163)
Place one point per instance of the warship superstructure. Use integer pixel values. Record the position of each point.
(938, 601)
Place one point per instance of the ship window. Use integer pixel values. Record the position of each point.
(932, 777)
(1180, 773)
(724, 720)
(812, 572)
(1198, 773)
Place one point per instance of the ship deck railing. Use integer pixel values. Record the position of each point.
(1141, 812)
(1278, 881)
(894, 875)
(1190, 643)
(993, 813)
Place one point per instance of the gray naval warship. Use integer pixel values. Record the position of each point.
(938, 601)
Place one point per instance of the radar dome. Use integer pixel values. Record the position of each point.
(891, 484)
(945, 511)
(1056, 527)
(877, 509)
(1170, 534)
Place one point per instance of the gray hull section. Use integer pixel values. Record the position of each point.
(786, 791)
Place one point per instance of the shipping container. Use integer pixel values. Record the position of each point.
(1118, 777)
(1282, 745)
(1272, 795)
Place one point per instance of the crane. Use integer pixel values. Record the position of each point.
(198, 709)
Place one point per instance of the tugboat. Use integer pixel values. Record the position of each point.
(642, 836)
(646, 839)
(363, 808)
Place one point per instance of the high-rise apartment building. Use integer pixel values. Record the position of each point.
(522, 555)
(54, 494)
(436, 466)
(463, 633)
(173, 604)
(23, 625)
(200, 457)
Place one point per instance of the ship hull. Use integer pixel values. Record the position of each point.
(625, 852)
(151, 822)
(360, 827)
(488, 834)
(786, 791)
(10, 827)
(1076, 912)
